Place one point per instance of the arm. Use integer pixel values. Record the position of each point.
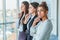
(36, 20)
(43, 31)
(32, 30)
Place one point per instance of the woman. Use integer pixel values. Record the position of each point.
(45, 26)
(22, 27)
(30, 17)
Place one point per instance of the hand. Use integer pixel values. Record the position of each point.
(35, 21)
(26, 17)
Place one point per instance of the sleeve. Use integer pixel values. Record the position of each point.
(32, 31)
(43, 32)
(17, 23)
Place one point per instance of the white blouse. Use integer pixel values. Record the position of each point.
(43, 31)
(21, 25)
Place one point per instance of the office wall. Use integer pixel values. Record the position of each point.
(59, 19)
(54, 15)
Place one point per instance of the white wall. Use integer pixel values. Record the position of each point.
(35, 1)
(54, 15)
(59, 21)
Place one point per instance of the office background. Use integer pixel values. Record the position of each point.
(8, 15)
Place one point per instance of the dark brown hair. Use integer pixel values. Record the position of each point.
(34, 4)
(44, 6)
(26, 6)
(26, 9)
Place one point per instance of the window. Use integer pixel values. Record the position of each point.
(11, 16)
(7, 19)
(1, 20)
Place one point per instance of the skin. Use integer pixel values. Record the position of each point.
(22, 7)
(35, 21)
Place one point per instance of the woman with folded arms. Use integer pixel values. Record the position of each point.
(44, 27)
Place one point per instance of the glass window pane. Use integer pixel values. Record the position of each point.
(11, 4)
(1, 11)
(11, 10)
(1, 20)
(11, 31)
(1, 16)
(11, 16)
(1, 32)
(1, 6)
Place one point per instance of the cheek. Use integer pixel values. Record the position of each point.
(42, 14)
(31, 10)
(22, 8)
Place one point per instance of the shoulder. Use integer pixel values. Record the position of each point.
(49, 24)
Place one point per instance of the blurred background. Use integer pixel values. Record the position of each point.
(9, 10)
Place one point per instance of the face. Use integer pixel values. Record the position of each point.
(41, 12)
(31, 9)
(22, 7)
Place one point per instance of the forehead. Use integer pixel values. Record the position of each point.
(39, 8)
(22, 4)
(30, 5)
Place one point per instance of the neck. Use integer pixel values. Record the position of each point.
(44, 18)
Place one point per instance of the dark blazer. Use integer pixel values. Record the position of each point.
(28, 31)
